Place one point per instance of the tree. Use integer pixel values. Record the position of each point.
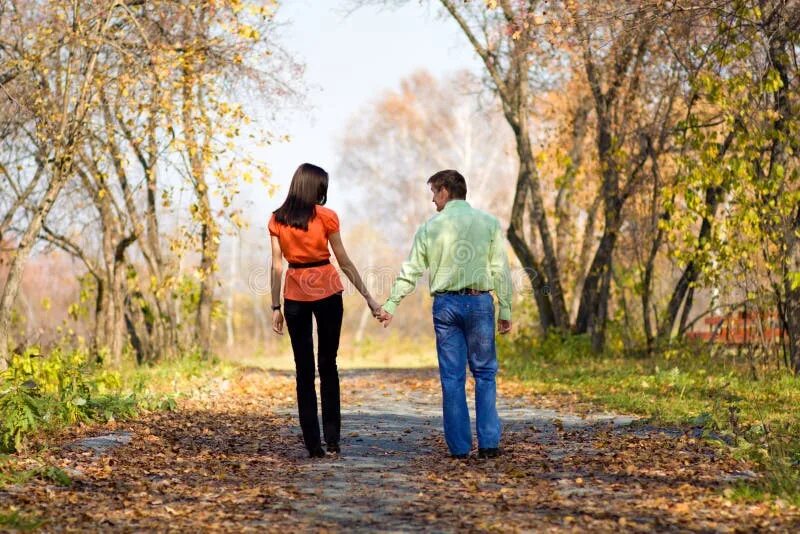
(512, 47)
(58, 110)
(634, 88)
(744, 158)
(151, 94)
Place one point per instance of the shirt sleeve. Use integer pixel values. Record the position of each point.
(410, 272)
(330, 221)
(500, 273)
(272, 226)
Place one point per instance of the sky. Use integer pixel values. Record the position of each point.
(350, 60)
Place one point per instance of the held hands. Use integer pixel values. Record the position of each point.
(378, 312)
(384, 317)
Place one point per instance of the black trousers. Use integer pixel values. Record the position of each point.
(328, 314)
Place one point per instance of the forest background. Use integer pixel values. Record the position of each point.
(642, 155)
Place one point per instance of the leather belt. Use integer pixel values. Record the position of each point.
(309, 265)
(464, 291)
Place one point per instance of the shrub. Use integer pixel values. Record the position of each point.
(61, 388)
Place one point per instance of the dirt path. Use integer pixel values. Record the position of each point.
(236, 462)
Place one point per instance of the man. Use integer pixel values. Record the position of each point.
(464, 250)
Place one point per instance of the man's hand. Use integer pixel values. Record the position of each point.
(277, 322)
(384, 317)
(503, 326)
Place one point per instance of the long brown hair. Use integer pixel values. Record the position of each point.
(309, 187)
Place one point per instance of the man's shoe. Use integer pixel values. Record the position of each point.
(492, 452)
(333, 448)
(316, 452)
(459, 456)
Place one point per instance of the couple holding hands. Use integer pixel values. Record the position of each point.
(464, 250)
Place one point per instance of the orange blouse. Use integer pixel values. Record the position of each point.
(299, 246)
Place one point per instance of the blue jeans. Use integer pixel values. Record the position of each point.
(464, 326)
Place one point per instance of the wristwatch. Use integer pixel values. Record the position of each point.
(276, 307)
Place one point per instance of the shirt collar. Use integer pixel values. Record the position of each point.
(456, 203)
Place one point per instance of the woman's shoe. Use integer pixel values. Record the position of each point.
(333, 448)
(316, 452)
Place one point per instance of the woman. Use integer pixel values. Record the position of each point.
(300, 230)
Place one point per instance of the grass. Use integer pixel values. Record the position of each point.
(42, 393)
(759, 419)
(16, 520)
(42, 411)
(158, 386)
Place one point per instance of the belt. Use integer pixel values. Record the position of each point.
(464, 291)
(319, 263)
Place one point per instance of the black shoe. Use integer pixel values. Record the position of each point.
(333, 448)
(316, 452)
(492, 452)
(459, 456)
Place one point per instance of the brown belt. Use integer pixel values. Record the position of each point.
(464, 291)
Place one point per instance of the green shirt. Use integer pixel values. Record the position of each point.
(463, 248)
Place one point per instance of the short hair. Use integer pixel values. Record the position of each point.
(451, 180)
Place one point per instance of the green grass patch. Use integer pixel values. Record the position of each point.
(16, 520)
(40, 393)
(758, 418)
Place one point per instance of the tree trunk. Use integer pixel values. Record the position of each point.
(532, 269)
(552, 283)
(791, 308)
(564, 213)
(161, 336)
(209, 238)
(647, 291)
(20, 255)
(545, 279)
(587, 245)
(516, 236)
(592, 310)
(100, 308)
(233, 274)
(593, 307)
(209, 232)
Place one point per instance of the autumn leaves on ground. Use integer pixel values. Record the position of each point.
(232, 459)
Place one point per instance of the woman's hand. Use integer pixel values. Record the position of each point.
(277, 322)
(373, 306)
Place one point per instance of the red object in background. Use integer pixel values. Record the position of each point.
(740, 328)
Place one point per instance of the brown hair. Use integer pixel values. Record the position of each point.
(309, 187)
(452, 181)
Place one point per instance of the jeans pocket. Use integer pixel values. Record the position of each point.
(443, 319)
(442, 328)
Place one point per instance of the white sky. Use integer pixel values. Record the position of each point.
(351, 59)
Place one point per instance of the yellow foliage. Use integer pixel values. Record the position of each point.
(248, 32)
